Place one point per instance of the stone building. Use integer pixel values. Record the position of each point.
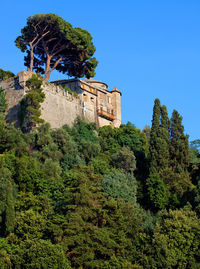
(67, 99)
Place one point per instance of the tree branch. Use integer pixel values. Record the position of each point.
(59, 50)
(56, 64)
(39, 39)
(45, 47)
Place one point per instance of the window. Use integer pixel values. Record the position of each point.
(85, 97)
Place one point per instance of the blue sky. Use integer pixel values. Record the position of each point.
(148, 49)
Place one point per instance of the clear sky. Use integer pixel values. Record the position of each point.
(148, 49)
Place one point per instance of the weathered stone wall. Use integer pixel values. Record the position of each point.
(103, 122)
(14, 93)
(58, 108)
(61, 107)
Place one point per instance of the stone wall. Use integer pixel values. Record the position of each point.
(59, 106)
(62, 107)
(14, 93)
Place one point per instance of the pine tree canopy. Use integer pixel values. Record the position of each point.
(51, 43)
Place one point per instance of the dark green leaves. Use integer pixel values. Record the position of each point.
(3, 104)
(29, 113)
(5, 74)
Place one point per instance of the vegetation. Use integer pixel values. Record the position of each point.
(52, 43)
(29, 113)
(83, 197)
(5, 74)
(168, 159)
(67, 89)
(3, 104)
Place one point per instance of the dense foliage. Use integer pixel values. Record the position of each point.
(3, 104)
(5, 74)
(83, 197)
(29, 113)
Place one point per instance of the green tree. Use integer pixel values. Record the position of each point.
(179, 147)
(101, 164)
(176, 240)
(94, 227)
(159, 139)
(108, 139)
(164, 139)
(3, 104)
(130, 136)
(120, 185)
(114, 139)
(11, 139)
(29, 113)
(38, 203)
(30, 225)
(52, 43)
(154, 135)
(5, 74)
(197, 198)
(83, 130)
(28, 174)
(7, 204)
(194, 166)
(85, 136)
(124, 159)
(157, 192)
(147, 131)
(42, 136)
(169, 154)
(5, 251)
(178, 185)
(39, 254)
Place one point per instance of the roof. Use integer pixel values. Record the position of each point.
(94, 81)
(116, 90)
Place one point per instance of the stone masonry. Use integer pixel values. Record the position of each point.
(86, 98)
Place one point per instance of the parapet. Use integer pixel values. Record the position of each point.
(67, 99)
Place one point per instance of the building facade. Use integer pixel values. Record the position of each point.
(67, 99)
(98, 104)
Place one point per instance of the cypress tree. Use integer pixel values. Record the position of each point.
(179, 147)
(159, 139)
(165, 122)
(154, 143)
(159, 157)
(164, 139)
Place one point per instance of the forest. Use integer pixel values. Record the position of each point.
(88, 197)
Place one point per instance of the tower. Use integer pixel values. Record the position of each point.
(116, 102)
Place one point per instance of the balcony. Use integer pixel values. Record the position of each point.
(107, 114)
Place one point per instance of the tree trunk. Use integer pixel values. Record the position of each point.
(47, 76)
(47, 69)
(31, 60)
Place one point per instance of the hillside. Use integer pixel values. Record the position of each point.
(88, 197)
